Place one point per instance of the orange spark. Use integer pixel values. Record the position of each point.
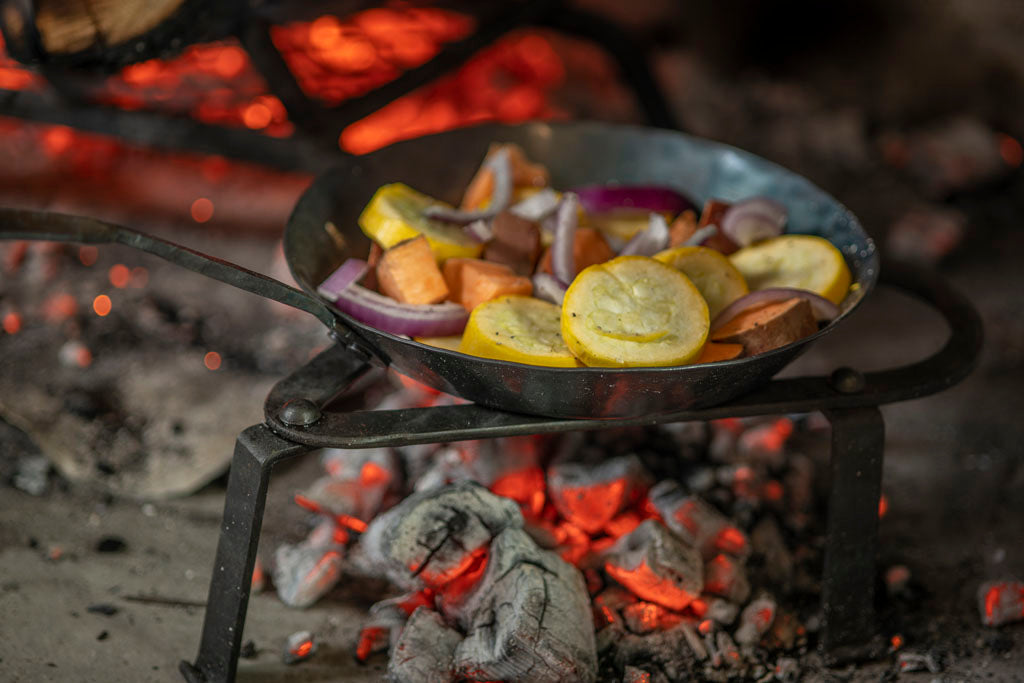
(883, 506)
(202, 210)
(119, 275)
(12, 323)
(212, 360)
(101, 305)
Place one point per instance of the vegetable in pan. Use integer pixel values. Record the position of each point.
(607, 276)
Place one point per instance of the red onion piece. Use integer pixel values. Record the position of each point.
(753, 220)
(388, 315)
(563, 260)
(350, 271)
(701, 235)
(501, 166)
(537, 206)
(480, 231)
(650, 241)
(549, 288)
(823, 309)
(602, 198)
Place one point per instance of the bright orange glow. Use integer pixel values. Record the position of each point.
(202, 210)
(88, 255)
(623, 524)
(731, 540)
(101, 305)
(57, 140)
(883, 506)
(368, 639)
(896, 641)
(1010, 150)
(59, 307)
(526, 487)
(719, 575)
(140, 276)
(591, 507)
(14, 79)
(371, 474)
(119, 275)
(257, 116)
(644, 583)
(12, 323)
(211, 360)
(229, 61)
(304, 649)
(464, 581)
(699, 608)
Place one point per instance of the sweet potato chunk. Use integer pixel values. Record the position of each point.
(713, 211)
(588, 247)
(714, 352)
(682, 228)
(524, 174)
(516, 243)
(473, 281)
(408, 272)
(769, 327)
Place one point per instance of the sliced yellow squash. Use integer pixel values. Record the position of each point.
(799, 261)
(395, 214)
(715, 277)
(634, 311)
(517, 328)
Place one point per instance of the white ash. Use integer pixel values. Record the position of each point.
(425, 649)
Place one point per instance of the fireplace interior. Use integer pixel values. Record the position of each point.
(692, 550)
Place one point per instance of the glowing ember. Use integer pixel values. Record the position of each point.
(212, 360)
(526, 487)
(1001, 602)
(896, 642)
(202, 210)
(1011, 150)
(883, 506)
(88, 255)
(371, 474)
(12, 323)
(59, 307)
(119, 275)
(101, 305)
(643, 582)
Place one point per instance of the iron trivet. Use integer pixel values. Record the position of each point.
(298, 421)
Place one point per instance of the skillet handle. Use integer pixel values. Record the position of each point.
(58, 227)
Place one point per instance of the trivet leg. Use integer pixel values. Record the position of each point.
(256, 451)
(848, 588)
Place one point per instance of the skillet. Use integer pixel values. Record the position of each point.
(322, 233)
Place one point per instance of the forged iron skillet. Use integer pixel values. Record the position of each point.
(322, 232)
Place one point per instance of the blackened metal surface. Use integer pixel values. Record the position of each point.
(256, 452)
(576, 154)
(851, 544)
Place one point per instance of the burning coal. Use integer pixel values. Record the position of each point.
(566, 558)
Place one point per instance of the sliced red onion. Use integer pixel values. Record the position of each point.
(602, 198)
(537, 206)
(501, 166)
(548, 287)
(753, 220)
(563, 260)
(650, 241)
(480, 231)
(350, 271)
(700, 236)
(388, 315)
(823, 309)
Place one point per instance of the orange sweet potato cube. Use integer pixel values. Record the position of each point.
(473, 281)
(408, 272)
